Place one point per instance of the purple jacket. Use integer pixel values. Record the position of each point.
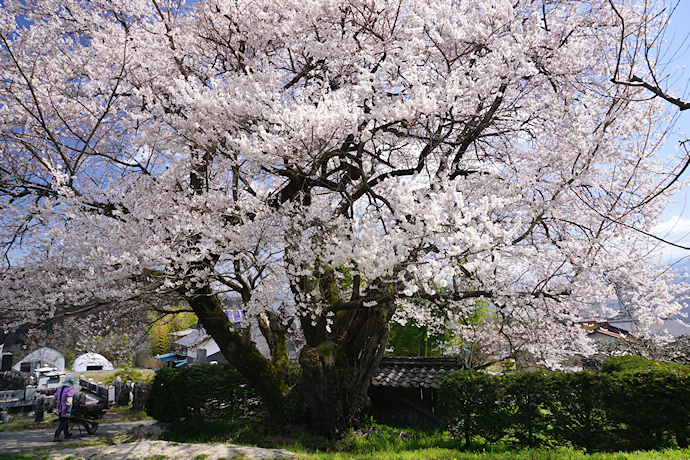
(61, 395)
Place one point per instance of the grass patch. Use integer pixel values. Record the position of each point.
(125, 414)
(22, 422)
(372, 439)
(240, 432)
(377, 441)
(526, 454)
(24, 456)
(376, 438)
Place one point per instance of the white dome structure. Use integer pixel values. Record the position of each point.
(43, 357)
(91, 362)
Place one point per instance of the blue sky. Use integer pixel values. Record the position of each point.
(676, 218)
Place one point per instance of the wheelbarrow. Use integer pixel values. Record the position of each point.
(85, 415)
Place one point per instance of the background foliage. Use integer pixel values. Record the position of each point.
(161, 328)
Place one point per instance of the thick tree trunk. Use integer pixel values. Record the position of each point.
(337, 364)
(336, 374)
(269, 380)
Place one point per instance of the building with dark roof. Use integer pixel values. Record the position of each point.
(403, 390)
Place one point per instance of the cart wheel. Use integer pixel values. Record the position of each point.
(91, 427)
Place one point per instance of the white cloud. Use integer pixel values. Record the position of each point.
(675, 230)
(674, 226)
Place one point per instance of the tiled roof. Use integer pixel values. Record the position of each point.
(404, 372)
(616, 334)
(194, 338)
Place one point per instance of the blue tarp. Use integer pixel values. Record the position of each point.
(178, 359)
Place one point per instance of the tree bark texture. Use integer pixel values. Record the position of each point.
(238, 349)
(336, 373)
(337, 366)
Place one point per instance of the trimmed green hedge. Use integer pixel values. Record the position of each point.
(205, 392)
(472, 403)
(650, 406)
(633, 406)
(577, 410)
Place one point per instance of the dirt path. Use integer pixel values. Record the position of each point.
(18, 441)
(126, 440)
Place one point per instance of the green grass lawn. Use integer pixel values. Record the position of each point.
(19, 422)
(387, 443)
(526, 454)
(451, 454)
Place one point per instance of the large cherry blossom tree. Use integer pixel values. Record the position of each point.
(334, 163)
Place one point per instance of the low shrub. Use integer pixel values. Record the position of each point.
(205, 392)
(636, 404)
(124, 374)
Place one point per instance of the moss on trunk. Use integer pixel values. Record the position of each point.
(269, 381)
(338, 363)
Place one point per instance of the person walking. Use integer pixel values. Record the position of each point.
(64, 397)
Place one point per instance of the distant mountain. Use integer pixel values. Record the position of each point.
(682, 267)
